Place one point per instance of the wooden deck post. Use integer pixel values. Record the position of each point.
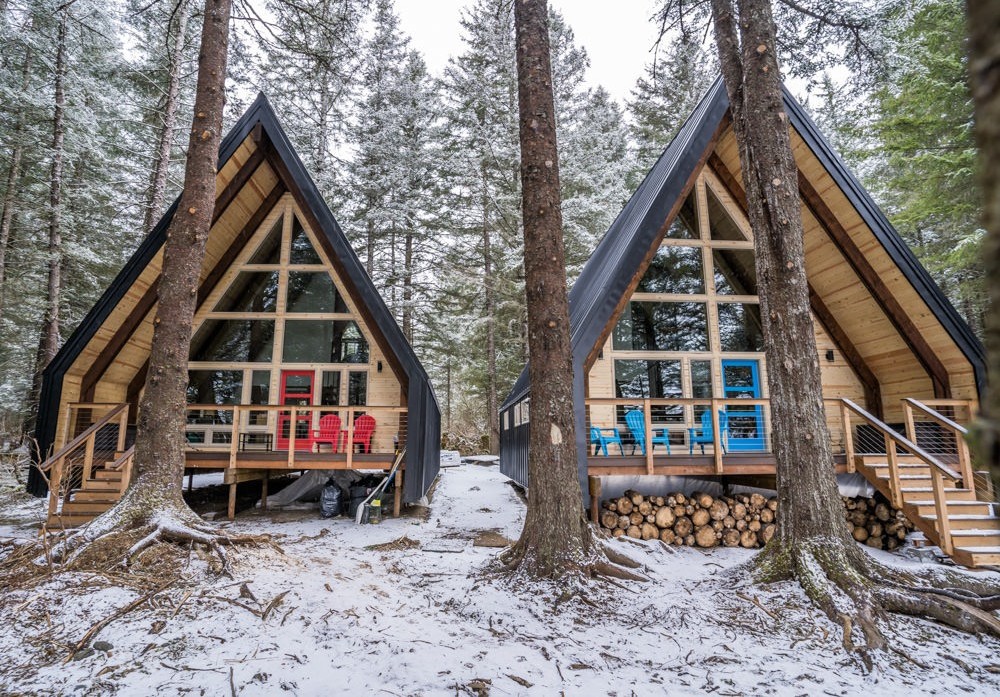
(594, 487)
(716, 437)
(122, 427)
(647, 418)
(397, 495)
(350, 439)
(911, 431)
(233, 445)
(845, 417)
(88, 456)
(894, 481)
(291, 438)
(263, 490)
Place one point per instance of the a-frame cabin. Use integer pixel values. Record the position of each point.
(295, 363)
(667, 342)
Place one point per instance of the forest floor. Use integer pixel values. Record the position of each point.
(424, 615)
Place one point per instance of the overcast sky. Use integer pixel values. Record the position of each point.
(618, 35)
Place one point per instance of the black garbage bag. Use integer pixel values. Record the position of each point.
(331, 500)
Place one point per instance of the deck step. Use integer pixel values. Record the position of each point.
(924, 492)
(976, 538)
(68, 521)
(925, 507)
(108, 475)
(967, 522)
(108, 495)
(85, 507)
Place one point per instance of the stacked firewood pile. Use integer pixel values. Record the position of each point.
(702, 520)
(874, 522)
(698, 519)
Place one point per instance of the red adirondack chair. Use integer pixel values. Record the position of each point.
(329, 432)
(364, 427)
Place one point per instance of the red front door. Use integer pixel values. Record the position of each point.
(296, 389)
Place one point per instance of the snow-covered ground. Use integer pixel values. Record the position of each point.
(331, 616)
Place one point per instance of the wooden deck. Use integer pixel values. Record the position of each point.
(279, 460)
(688, 465)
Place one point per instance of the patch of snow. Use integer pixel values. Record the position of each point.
(346, 618)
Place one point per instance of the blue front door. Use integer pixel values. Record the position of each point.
(741, 380)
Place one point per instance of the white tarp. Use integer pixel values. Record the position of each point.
(308, 486)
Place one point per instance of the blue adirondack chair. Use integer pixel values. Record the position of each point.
(704, 434)
(600, 437)
(636, 423)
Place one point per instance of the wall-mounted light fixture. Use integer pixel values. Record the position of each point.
(829, 355)
(378, 366)
(600, 355)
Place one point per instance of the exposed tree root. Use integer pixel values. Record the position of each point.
(127, 536)
(857, 592)
(596, 560)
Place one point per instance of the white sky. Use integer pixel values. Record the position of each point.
(618, 35)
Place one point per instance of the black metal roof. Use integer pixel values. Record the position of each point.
(605, 278)
(423, 417)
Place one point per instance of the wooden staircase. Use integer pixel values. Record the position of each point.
(943, 502)
(88, 475)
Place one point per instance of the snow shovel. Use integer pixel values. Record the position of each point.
(362, 515)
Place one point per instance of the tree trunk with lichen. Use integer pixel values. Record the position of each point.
(984, 73)
(153, 503)
(556, 538)
(811, 543)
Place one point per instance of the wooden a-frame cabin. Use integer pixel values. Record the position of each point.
(295, 363)
(668, 349)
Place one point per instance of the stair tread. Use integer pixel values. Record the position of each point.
(930, 502)
(917, 489)
(964, 516)
(978, 532)
(978, 550)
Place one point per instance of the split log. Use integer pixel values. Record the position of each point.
(718, 510)
(705, 536)
(683, 526)
(748, 539)
(645, 507)
(609, 519)
(702, 499)
(634, 531)
(649, 531)
(665, 518)
(767, 533)
(731, 538)
(625, 505)
(700, 517)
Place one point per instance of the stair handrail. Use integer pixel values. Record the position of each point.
(938, 469)
(961, 446)
(82, 437)
(56, 464)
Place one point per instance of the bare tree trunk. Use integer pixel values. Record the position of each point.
(159, 456)
(165, 141)
(408, 286)
(490, 309)
(13, 181)
(808, 498)
(48, 340)
(984, 68)
(555, 540)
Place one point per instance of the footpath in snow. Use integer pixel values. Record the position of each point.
(331, 615)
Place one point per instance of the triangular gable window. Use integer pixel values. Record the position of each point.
(269, 251)
(722, 225)
(685, 225)
(302, 251)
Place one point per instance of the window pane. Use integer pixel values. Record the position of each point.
(260, 387)
(214, 386)
(324, 341)
(357, 389)
(234, 340)
(252, 291)
(302, 250)
(674, 270)
(330, 394)
(685, 225)
(735, 273)
(651, 326)
(269, 251)
(639, 379)
(740, 327)
(701, 379)
(313, 292)
(723, 227)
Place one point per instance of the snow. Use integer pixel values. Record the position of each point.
(410, 621)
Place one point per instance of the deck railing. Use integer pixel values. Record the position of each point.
(247, 427)
(97, 441)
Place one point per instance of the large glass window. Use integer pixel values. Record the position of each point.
(251, 291)
(740, 327)
(214, 386)
(302, 251)
(234, 341)
(313, 292)
(260, 393)
(723, 227)
(735, 272)
(701, 379)
(330, 392)
(357, 389)
(642, 379)
(674, 270)
(652, 326)
(324, 341)
(685, 225)
(269, 251)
